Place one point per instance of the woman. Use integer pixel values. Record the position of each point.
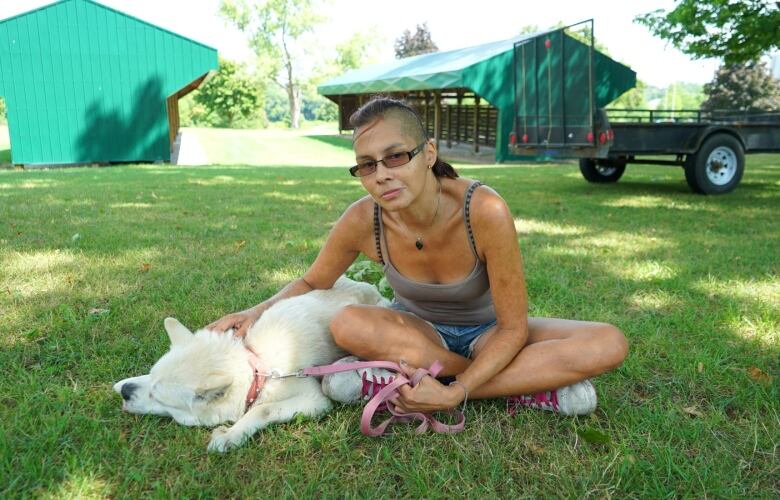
(450, 253)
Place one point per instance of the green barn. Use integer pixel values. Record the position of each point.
(84, 83)
(468, 96)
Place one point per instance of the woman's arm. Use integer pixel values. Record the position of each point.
(345, 241)
(496, 238)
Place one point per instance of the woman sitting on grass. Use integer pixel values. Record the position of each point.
(450, 253)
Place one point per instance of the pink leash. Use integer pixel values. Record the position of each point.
(390, 391)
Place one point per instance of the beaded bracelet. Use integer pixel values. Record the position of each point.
(465, 391)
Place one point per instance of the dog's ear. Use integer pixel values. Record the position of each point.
(177, 332)
(215, 386)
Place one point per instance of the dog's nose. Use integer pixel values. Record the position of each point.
(127, 391)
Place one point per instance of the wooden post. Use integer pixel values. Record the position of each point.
(457, 118)
(449, 125)
(476, 124)
(341, 113)
(425, 103)
(437, 117)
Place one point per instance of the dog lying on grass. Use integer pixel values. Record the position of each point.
(209, 378)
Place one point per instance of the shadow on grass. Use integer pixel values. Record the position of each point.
(5, 156)
(333, 140)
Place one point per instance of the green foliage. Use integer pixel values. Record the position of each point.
(633, 99)
(275, 29)
(229, 98)
(681, 95)
(3, 118)
(277, 107)
(358, 50)
(370, 272)
(743, 86)
(317, 107)
(737, 30)
(408, 44)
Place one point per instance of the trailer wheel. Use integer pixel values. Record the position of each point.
(602, 171)
(717, 167)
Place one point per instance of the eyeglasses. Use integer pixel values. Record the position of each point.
(394, 160)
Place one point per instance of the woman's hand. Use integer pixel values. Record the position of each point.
(428, 395)
(239, 322)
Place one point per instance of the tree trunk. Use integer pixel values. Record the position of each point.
(294, 99)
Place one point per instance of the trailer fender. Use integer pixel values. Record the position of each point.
(708, 132)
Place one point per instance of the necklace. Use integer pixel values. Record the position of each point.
(418, 241)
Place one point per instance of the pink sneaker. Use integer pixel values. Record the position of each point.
(575, 399)
(357, 385)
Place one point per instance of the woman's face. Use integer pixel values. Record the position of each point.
(393, 188)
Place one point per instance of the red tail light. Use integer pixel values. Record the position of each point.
(512, 138)
(603, 138)
(589, 137)
(525, 137)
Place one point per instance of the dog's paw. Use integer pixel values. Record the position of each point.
(224, 439)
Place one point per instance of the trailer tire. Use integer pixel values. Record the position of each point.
(717, 167)
(602, 171)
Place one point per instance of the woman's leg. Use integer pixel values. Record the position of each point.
(559, 352)
(379, 333)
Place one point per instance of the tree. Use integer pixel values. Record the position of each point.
(230, 96)
(736, 30)
(408, 45)
(3, 118)
(358, 50)
(633, 99)
(743, 86)
(275, 29)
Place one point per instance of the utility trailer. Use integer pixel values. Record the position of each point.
(556, 116)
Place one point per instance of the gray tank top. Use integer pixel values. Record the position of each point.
(467, 302)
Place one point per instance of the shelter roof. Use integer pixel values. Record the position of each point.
(438, 70)
(59, 2)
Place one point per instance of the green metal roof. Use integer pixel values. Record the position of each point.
(438, 70)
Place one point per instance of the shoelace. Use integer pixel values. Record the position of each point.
(540, 400)
(372, 387)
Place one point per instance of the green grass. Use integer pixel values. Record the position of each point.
(275, 147)
(692, 280)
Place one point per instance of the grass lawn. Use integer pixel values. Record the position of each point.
(275, 147)
(93, 259)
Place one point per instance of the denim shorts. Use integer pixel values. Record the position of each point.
(459, 339)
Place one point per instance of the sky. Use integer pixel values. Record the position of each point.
(452, 25)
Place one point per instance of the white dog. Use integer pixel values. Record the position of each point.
(208, 378)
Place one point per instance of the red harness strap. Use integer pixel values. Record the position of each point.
(258, 379)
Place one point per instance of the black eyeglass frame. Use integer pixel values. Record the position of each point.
(411, 154)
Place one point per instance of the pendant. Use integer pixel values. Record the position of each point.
(419, 244)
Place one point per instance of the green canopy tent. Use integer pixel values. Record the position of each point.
(450, 87)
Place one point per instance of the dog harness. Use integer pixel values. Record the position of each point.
(258, 379)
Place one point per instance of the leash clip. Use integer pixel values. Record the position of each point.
(276, 374)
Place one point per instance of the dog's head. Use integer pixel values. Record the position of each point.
(198, 382)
